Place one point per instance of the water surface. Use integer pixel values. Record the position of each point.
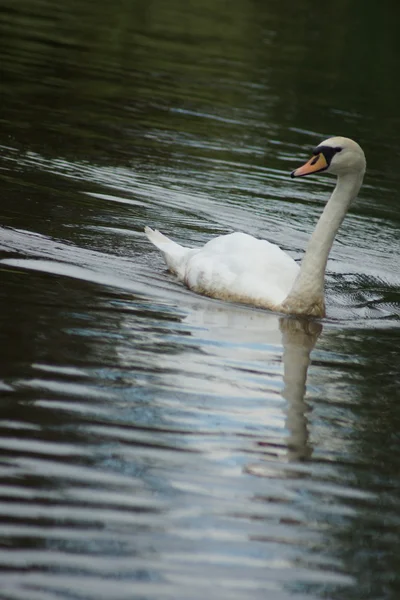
(154, 443)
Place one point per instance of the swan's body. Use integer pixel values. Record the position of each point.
(241, 268)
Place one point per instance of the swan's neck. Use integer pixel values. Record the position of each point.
(307, 293)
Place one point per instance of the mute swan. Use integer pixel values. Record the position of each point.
(240, 268)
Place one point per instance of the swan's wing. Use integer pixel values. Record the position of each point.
(241, 268)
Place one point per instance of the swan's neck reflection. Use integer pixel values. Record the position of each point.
(298, 338)
(242, 337)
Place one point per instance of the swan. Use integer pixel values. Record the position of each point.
(240, 268)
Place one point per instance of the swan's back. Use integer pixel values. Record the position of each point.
(235, 267)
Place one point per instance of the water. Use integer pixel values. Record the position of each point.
(156, 444)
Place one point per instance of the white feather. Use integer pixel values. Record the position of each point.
(221, 267)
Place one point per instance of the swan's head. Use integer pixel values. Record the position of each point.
(337, 155)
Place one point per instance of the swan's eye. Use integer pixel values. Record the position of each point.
(338, 149)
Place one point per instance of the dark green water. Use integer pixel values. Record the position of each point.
(159, 445)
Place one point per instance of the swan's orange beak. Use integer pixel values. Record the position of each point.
(315, 164)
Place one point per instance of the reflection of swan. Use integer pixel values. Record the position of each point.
(241, 268)
(298, 339)
(251, 336)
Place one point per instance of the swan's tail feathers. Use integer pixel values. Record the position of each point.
(158, 239)
(173, 252)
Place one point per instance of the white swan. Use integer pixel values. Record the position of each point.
(241, 268)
